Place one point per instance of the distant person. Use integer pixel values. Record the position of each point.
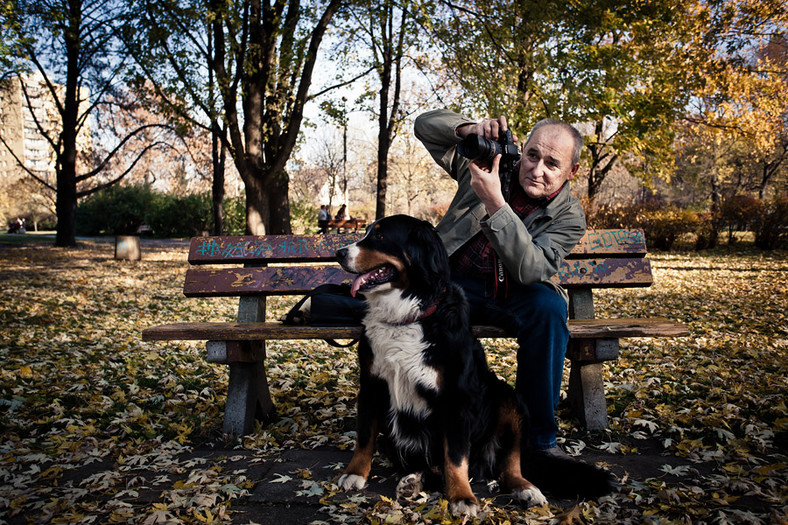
(322, 217)
(341, 213)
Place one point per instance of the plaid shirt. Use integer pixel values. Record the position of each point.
(477, 259)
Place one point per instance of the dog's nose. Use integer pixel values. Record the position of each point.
(341, 254)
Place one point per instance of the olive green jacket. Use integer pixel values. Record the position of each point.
(531, 249)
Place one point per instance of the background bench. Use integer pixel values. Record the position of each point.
(342, 224)
(294, 264)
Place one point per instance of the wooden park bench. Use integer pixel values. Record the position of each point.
(294, 265)
(342, 225)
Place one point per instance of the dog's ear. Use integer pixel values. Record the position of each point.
(429, 254)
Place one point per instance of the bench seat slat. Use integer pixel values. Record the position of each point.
(252, 249)
(221, 331)
(285, 280)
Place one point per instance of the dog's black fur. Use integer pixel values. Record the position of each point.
(424, 380)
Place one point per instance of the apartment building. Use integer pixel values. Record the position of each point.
(23, 114)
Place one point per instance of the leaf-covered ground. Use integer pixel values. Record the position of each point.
(97, 426)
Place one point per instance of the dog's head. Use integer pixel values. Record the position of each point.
(398, 253)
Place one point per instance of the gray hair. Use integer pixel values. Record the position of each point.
(577, 138)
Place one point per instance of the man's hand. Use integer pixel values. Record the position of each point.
(487, 184)
(488, 128)
(485, 180)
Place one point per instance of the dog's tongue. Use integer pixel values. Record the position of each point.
(357, 282)
(363, 279)
(371, 279)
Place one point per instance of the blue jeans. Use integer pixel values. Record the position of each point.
(537, 314)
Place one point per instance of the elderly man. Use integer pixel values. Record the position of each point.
(506, 243)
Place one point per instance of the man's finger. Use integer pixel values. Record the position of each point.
(494, 129)
(477, 169)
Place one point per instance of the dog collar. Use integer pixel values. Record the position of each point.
(431, 309)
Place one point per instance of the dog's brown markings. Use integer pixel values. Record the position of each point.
(458, 486)
(439, 377)
(511, 471)
(361, 462)
(370, 259)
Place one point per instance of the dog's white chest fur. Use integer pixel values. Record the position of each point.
(398, 359)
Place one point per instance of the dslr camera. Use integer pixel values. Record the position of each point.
(478, 148)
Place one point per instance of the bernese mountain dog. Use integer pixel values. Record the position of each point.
(424, 380)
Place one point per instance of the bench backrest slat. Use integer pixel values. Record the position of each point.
(270, 280)
(610, 243)
(605, 273)
(285, 280)
(272, 249)
(263, 264)
(267, 248)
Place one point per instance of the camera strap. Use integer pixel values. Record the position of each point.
(506, 182)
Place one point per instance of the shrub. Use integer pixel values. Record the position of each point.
(234, 216)
(619, 216)
(662, 227)
(303, 216)
(117, 210)
(738, 213)
(662, 224)
(173, 216)
(771, 224)
(706, 232)
(121, 210)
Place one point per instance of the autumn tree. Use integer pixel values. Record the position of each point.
(264, 58)
(176, 161)
(72, 45)
(382, 38)
(417, 188)
(330, 159)
(615, 67)
(171, 42)
(742, 98)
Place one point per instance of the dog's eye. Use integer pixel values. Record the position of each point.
(378, 235)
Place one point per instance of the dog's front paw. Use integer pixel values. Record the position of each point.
(351, 482)
(410, 486)
(530, 497)
(464, 507)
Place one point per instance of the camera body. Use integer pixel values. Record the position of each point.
(478, 148)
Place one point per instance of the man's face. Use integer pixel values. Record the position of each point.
(547, 162)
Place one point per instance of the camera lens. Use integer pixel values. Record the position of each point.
(475, 147)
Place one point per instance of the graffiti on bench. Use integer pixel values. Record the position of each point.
(210, 249)
(605, 272)
(609, 238)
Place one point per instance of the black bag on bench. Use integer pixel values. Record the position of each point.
(327, 305)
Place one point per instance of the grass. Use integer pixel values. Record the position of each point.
(99, 426)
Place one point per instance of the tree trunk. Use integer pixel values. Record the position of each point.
(217, 187)
(279, 218)
(272, 105)
(601, 162)
(384, 139)
(257, 206)
(66, 163)
(383, 160)
(390, 77)
(65, 208)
